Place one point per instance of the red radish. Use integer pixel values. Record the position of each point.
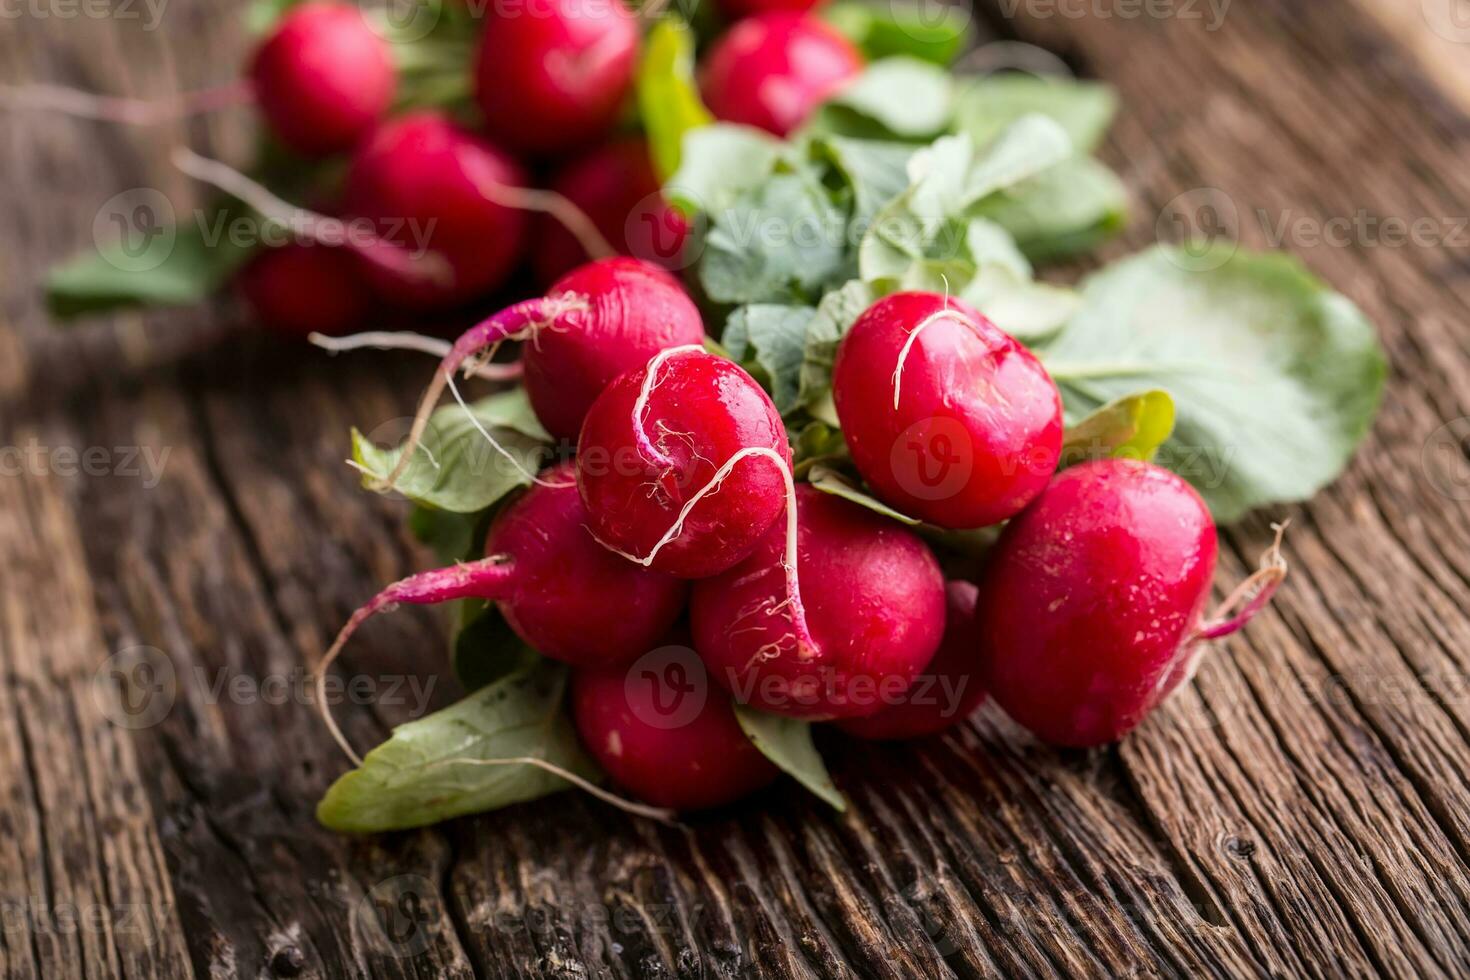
(949, 689)
(733, 9)
(1091, 606)
(616, 188)
(435, 189)
(302, 288)
(553, 75)
(948, 418)
(323, 78)
(874, 601)
(595, 322)
(667, 463)
(684, 763)
(563, 593)
(772, 70)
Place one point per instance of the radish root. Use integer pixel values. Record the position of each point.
(948, 313)
(1250, 596)
(120, 109)
(408, 340)
(645, 445)
(483, 579)
(319, 228)
(558, 206)
(516, 322)
(660, 814)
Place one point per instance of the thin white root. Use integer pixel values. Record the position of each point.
(572, 218)
(661, 814)
(325, 709)
(640, 405)
(806, 645)
(408, 340)
(948, 313)
(319, 228)
(121, 109)
(509, 456)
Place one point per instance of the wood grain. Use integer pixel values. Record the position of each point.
(1302, 809)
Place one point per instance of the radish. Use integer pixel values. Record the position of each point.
(434, 188)
(772, 70)
(615, 186)
(594, 323)
(1091, 606)
(553, 76)
(947, 417)
(564, 594)
(733, 9)
(300, 288)
(684, 463)
(874, 601)
(679, 748)
(948, 691)
(323, 78)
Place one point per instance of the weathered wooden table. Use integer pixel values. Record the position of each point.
(1304, 808)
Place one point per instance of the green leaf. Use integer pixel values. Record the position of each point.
(774, 337)
(934, 32)
(484, 648)
(1275, 377)
(828, 480)
(1132, 427)
(415, 778)
(719, 163)
(788, 743)
(167, 266)
(925, 234)
(455, 468)
(451, 535)
(668, 97)
(261, 15)
(986, 106)
(817, 443)
(835, 315)
(906, 97)
(780, 242)
(1063, 211)
(875, 170)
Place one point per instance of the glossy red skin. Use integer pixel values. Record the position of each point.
(299, 288)
(703, 410)
(733, 9)
(567, 596)
(948, 691)
(637, 311)
(874, 598)
(978, 429)
(552, 75)
(414, 168)
(708, 762)
(322, 78)
(616, 187)
(772, 70)
(1089, 597)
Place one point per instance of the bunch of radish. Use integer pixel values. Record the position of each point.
(677, 520)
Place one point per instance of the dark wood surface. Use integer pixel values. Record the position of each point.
(1302, 809)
